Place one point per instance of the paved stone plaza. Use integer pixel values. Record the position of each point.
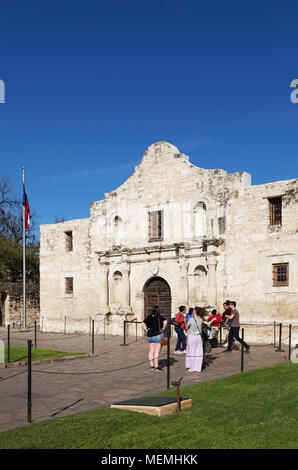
(114, 373)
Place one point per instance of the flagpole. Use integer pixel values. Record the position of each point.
(24, 255)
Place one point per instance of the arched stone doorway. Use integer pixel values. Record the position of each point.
(157, 292)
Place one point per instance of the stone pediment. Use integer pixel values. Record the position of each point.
(163, 171)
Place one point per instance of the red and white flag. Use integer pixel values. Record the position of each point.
(27, 209)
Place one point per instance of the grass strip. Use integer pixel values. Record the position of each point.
(21, 354)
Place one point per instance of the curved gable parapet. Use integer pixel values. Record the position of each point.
(159, 150)
(165, 174)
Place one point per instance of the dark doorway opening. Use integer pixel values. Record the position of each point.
(157, 293)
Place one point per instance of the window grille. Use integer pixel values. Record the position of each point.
(275, 210)
(280, 274)
(155, 225)
(69, 285)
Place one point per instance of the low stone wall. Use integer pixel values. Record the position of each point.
(12, 303)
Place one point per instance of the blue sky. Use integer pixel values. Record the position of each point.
(91, 84)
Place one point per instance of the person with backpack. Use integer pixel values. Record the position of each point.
(179, 328)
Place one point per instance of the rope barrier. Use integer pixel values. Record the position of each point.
(97, 372)
(12, 376)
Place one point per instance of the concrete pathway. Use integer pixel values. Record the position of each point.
(114, 373)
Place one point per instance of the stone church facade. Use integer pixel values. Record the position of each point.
(174, 234)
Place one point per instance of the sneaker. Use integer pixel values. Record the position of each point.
(157, 369)
(183, 352)
(152, 368)
(178, 352)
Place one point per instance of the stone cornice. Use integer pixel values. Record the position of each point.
(181, 249)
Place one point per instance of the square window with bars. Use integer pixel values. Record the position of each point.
(69, 241)
(275, 211)
(155, 225)
(280, 274)
(69, 285)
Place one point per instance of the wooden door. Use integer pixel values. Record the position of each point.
(157, 293)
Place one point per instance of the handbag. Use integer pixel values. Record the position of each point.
(163, 341)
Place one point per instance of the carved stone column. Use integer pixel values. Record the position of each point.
(183, 263)
(104, 287)
(192, 292)
(212, 285)
(126, 289)
(125, 269)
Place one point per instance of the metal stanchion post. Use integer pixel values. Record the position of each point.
(274, 335)
(29, 402)
(124, 334)
(92, 336)
(8, 343)
(280, 335)
(35, 335)
(220, 334)
(290, 340)
(168, 359)
(242, 350)
(177, 385)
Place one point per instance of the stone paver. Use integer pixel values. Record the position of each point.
(114, 373)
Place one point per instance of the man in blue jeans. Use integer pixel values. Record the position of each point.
(234, 328)
(181, 341)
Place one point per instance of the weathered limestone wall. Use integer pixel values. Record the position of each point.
(216, 244)
(56, 263)
(252, 246)
(12, 307)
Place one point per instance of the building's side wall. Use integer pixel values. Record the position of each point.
(252, 246)
(56, 263)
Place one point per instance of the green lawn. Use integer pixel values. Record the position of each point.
(253, 410)
(21, 354)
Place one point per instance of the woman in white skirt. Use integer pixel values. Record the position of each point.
(194, 349)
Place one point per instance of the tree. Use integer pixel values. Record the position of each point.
(11, 236)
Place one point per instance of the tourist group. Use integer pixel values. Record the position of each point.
(195, 330)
